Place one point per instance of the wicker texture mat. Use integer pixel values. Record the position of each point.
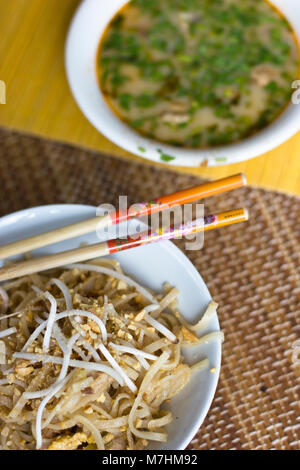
(252, 271)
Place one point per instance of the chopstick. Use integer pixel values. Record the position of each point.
(142, 209)
(112, 246)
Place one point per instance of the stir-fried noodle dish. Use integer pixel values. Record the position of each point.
(88, 357)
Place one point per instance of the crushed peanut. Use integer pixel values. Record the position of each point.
(151, 329)
(132, 327)
(95, 328)
(140, 316)
(101, 398)
(128, 337)
(85, 327)
(23, 369)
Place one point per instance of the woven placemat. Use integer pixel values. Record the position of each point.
(252, 271)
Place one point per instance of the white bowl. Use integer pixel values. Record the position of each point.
(82, 44)
(151, 265)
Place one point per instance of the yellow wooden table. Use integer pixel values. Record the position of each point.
(39, 101)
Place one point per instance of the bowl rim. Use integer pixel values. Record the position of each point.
(179, 257)
(107, 123)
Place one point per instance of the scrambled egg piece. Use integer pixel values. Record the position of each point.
(70, 442)
(188, 335)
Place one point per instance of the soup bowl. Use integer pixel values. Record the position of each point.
(88, 25)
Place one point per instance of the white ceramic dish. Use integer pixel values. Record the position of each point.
(83, 39)
(151, 265)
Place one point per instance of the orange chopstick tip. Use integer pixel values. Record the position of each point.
(240, 215)
(230, 217)
(239, 179)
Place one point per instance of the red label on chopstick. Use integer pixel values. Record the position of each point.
(151, 237)
(123, 244)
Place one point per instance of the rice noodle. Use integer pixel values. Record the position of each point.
(37, 290)
(91, 350)
(219, 335)
(70, 423)
(73, 363)
(158, 326)
(159, 422)
(100, 410)
(143, 362)
(62, 286)
(147, 379)
(62, 375)
(38, 425)
(50, 321)
(60, 316)
(204, 321)
(109, 424)
(81, 354)
(51, 391)
(134, 351)
(5, 301)
(60, 338)
(11, 315)
(92, 428)
(116, 403)
(117, 275)
(95, 367)
(156, 345)
(166, 301)
(116, 366)
(204, 364)
(8, 332)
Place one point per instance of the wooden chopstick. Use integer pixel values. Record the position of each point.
(98, 223)
(112, 246)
